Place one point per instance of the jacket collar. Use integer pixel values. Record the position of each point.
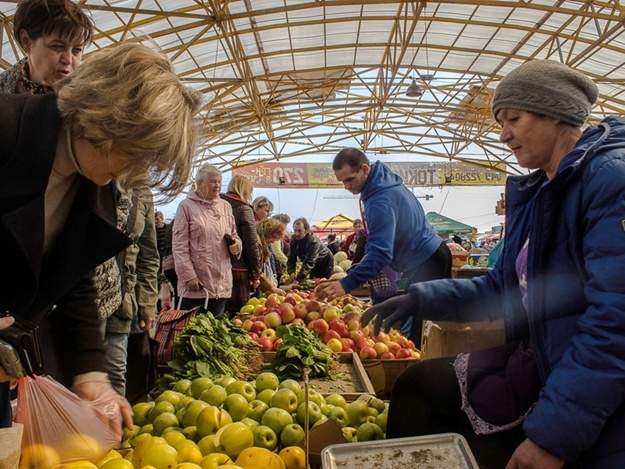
(380, 178)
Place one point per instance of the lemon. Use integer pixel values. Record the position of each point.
(39, 457)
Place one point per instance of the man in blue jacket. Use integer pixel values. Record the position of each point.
(399, 235)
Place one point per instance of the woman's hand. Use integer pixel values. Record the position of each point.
(255, 283)
(236, 248)
(529, 455)
(5, 323)
(194, 284)
(92, 390)
(387, 313)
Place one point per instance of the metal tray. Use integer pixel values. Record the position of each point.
(444, 451)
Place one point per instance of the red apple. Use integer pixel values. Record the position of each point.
(380, 348)
(411, 345)
(277, 343)
(300, 310)
(404, 353)
(347, 349)
(402, 341)
(273, 320)
(356, 335)
(347, 342)
(312, 305)
(258, 327)
(254, 336)
(269, 334)
(265, 343)
(237, 322)
(260, 310)
(312, 316)
(298, 322)
(367, 353)
(247, 324)
(338, 326)
(319, 326)
(353, 325)
(350, 317)
(393, 347)
(362, 343)
(290, 299)
(387, 356)
(286, 313)
(330, 335)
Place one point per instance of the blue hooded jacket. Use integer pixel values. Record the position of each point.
(575, 320)
(399, 233)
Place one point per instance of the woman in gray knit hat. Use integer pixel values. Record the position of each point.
(554, 394)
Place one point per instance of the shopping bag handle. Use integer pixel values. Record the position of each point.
(185, 291)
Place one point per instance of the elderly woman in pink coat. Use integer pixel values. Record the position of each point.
(204, 238)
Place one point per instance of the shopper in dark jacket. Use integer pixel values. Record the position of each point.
(559, 285)
(56, 224)
(247, 268)
(164, 235)
(316, 259)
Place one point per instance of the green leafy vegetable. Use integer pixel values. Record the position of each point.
(300, 349)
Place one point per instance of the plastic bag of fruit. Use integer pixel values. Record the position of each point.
(61, 427)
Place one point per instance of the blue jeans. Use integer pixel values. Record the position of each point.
(116, 351)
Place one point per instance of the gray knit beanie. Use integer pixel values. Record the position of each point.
(548, 88)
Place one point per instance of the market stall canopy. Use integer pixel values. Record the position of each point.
(337, 224)
(445, 225)
(292, 78)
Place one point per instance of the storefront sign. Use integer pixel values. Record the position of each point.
(318, 175)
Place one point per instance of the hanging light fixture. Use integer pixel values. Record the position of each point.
(414, 90)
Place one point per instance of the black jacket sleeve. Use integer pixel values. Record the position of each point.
(313, 249)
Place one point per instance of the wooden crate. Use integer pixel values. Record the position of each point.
(355, 384)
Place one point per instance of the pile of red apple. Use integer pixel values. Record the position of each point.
(339, 327)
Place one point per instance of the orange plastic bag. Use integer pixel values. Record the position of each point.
(60, 426)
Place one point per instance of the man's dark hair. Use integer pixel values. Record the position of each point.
(351, 157)
(331, 237)
(304, 223)
(44, 17)
(357, 221)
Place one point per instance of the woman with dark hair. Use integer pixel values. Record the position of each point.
(554, 394)
(53, 34)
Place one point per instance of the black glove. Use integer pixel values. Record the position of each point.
(387, 313)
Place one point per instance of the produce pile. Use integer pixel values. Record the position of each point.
(205, 423)
(337, 323)
(210, 346)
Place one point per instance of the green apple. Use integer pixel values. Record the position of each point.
(215, 395)
(276, 419)
(325, 409)
(161, 408)
(321, 421)
(224, 381)
(377, 404)
(198, 385)
(314, 414)
(265, 437)
(313, 396)
(373, 412)
(160, 456)
(357, 412)
(183, 402)
(337, 400)
(190, 432)
(137, 439)
(369, 431)
(339, 415)
(257, 409)
(149, 428)
(171, 429)
(267, 381)
(169, 396)
(173, 437)
(291, 435)
(237, 406)
(381, 421)
(349, 433)
(128, 433)
(188, 451)
(234, 438)
(265, 395)
(292, 385)
(242, 387)
(210, 420)
(180, 414)
(191, 411)
(207, 445)
(250, 422)
(370, 419)
(213, 461)
(140, 412)
(183, 386)
(285, 399)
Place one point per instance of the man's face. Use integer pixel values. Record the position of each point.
(357, 226)
(299, 231)
(159, 219)
(353, 180)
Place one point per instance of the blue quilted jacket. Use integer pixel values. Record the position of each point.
(576, 296)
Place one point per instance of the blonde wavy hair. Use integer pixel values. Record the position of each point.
(267, 228)
(127, 97)
(242, 187)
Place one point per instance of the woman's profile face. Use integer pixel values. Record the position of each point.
(262, 212)
(97, 166)
(531, 138)
(51, 57)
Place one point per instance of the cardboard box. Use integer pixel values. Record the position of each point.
(447, 339)
(326, 434)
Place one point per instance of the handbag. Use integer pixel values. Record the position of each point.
(27, 358)
(170, 325)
